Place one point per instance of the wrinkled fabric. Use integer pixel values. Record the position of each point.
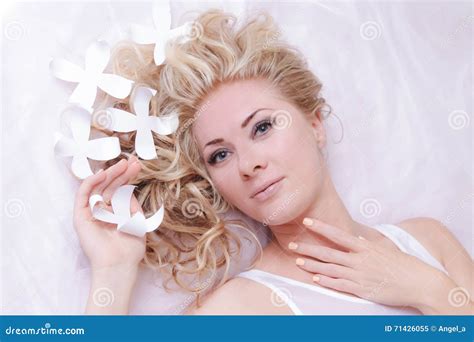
(398, 81)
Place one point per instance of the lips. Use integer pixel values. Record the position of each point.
(265, 186)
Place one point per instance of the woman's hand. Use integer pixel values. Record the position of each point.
(114, 256)
(104, 245)
(368, 270)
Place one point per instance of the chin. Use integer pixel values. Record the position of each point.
(277, 217)
(277, 210)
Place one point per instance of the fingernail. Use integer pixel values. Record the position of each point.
(316, 278)
(299, 261)
(307, 221)
(292, 245)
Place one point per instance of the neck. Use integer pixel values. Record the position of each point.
(328, 208)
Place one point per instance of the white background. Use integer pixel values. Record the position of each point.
(397, 74)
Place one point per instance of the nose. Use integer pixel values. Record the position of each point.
(250, 163)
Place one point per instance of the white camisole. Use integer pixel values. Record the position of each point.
(307, 299)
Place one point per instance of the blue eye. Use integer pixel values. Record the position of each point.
(262, 124)
(213, 159)
(260, 127)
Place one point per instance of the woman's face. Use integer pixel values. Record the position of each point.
(249, 136)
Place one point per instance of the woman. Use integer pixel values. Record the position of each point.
(251, 138)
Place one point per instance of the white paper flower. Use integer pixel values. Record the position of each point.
(92, 76)
(137, 224)
(80, 148)
(142, 122)
(162, 32)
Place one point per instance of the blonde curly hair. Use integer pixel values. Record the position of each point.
(193, 238)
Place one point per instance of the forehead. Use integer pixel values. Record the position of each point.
(227, 106)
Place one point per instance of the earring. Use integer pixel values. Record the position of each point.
(324, 153)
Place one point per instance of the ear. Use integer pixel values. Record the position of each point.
(318, 129)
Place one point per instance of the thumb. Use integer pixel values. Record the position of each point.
(135, 206)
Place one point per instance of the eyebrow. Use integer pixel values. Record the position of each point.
(244, 124)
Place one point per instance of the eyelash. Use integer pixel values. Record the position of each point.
(212, 159)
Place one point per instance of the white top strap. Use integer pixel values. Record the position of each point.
(409, 244)
(259, 277)
(304, 298)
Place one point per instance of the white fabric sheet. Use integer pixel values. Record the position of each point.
(397, 73)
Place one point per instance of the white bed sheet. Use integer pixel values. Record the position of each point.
(397, 74)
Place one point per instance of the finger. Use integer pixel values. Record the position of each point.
(135, 205)
(112, 173)
(328, 269)
(322, 253)
(85, 189)
(132, 170)
(342, 285)
(335, 234)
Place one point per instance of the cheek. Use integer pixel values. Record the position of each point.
(289, 153)
(226, 186)
(297, 151)
(300, 160)
(310, 159)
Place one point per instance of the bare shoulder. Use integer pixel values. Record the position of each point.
(239, 296)
(433, 235)
(443, 245)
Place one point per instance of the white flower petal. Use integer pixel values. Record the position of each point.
(141, 101)
(80, 148)
(159, 53)
(103, 148)
(66, 70)
(137, 224)
(80, 166)
(80, 124)
(143, 35)
(164, 125)
(85, 93)
(115, 85)
(122, 121)
(145, 145)
(97, 57)
(162, 15)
